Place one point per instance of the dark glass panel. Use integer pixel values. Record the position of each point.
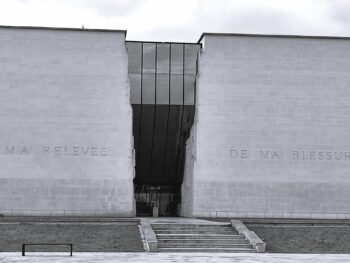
(135, 88)
(172, 143)
(177, 59)
(148, 89)
(136, 108)
(159, 142)
(149, 56)
(144, 155)
(189, 89)
(134, 56)
(176, 90)
(162, 89)
(191, 52)
(163, 58)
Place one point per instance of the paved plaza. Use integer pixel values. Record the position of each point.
(172, 257)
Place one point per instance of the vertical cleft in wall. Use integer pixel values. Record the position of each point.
(162, 79)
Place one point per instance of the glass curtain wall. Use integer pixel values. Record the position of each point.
(163, 85)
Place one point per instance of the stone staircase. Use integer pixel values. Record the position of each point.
(200, 238)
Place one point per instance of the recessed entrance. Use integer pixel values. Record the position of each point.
(162, 81)
(163, 200)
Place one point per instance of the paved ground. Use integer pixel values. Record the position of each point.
(333, 239)
(174, 258)
(100, 235)
(300, 235)
(85, 236)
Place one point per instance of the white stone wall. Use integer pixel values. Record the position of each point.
(66, 145)
(272, 128)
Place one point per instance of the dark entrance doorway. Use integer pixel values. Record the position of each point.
(162, 80)
(157, 200)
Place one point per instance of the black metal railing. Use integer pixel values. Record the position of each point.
(47, 244)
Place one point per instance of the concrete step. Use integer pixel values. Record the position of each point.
(194, 228)
(200, 238)
(202, 245)
(218, 232)
(182, 226)
(204, 241)
(208, 250)
(197, 236)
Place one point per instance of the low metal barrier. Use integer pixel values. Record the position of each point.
(47, 244)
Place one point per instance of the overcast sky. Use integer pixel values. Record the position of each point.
(184, 20)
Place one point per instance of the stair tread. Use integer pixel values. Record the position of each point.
(212, 248)
(209, 249)
(216, 240)
(198, 234)
(200, 238)
(199, 245)
(193, 227)
(195, 230)
(199, 225)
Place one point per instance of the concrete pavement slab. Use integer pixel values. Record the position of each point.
(172, 257)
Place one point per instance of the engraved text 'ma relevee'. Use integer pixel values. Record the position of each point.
(17, 150)
(14, 150)
(75, 151)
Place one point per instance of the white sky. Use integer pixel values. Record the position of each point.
(184, 20)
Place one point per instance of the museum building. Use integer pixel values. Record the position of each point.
(234, 125)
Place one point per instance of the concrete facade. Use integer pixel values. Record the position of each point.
(66, 144)
(270, 136)
(271, 133)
